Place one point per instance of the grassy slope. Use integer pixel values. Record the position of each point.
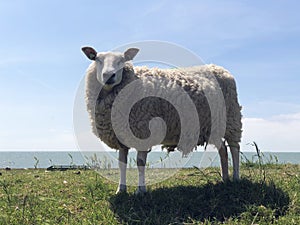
(264, 196)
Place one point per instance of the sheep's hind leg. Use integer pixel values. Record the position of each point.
(224, 161)
(235, 154)
(141, 162)
(122, 166)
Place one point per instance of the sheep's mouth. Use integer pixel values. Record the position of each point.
(111, 80)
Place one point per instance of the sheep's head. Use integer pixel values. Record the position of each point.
(109, 65)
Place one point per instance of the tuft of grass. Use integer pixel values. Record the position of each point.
(191, 196)
(71, 158)
(37, 161)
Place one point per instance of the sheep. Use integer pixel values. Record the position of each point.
(110, 73)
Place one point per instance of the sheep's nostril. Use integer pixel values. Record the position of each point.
(111, 80)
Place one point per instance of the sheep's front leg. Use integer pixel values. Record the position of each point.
(141, 162)
(235, 154)
(122, 166)
(224, 161)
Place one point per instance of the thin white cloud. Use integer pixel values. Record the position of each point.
(54, 141)
(279, 133)
(287, 117)
(214, 19)
(270, 109)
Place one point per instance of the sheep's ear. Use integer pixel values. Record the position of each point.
(89, 52)
(130, 53)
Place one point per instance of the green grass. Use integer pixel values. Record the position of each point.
(265, 195)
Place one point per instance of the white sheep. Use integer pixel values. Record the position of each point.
(111, 78)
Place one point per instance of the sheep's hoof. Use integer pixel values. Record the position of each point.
(121, 189)
(141, 190)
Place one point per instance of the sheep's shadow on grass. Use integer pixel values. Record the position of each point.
(215, 202)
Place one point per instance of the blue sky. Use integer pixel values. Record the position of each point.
(41, 64)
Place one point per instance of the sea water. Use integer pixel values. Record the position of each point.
(156, 159)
